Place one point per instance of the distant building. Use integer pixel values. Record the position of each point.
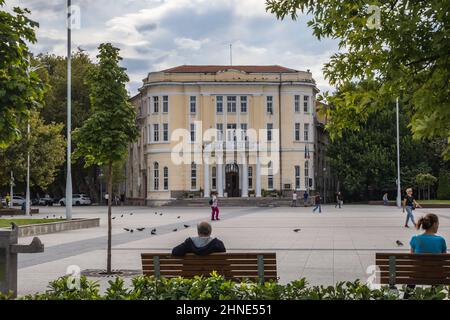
(247, 108)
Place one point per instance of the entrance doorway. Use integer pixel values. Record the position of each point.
(232, 180)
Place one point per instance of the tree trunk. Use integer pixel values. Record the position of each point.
(110, 173)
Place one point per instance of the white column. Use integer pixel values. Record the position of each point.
(258, 177)
(244, 178)
(206, 179)
(219, 172)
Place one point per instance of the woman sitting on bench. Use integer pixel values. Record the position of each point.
(201, 245)
(428, 242)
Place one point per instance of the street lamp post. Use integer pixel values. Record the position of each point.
(11, 191)
(398, 159)
(69, 114)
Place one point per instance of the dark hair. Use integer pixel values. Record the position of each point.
(427, 221)
(204, 229)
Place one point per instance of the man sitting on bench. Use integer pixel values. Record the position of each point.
(201, 245)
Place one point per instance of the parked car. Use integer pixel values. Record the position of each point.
(46, 201)
(18, 201)
(77, 200)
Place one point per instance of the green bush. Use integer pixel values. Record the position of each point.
(218, 288)
(443, 191)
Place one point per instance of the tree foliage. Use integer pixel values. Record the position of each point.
(443, 191)
(46, 145)
(20, 87)
(406, 55)
(105, 136)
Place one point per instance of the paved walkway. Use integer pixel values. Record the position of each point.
(336, 245)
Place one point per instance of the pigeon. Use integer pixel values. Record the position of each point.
(186, 226)
(297, 230)
(126, 229)
(61, 217)
(156, 213)
(153, 232)
(175, 230)
(140, 229)
(399, 243)
(131, 213)
(113, 218)
(121, 216)
(131, 230)
(160, 214)
(54, 216)
(178, 217)
(46, 217)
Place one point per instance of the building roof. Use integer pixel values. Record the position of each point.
(217, 68)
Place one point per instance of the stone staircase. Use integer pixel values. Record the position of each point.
(232, 202)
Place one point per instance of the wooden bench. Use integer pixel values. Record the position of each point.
(419, 269)
(233, 266)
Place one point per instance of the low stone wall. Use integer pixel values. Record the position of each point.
(15, 212)
(424, 205)
(54, 227)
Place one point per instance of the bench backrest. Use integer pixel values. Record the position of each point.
(420, 269)
(234, 266)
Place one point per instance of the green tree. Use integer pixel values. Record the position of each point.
(46, 145)
(20, 88)
(405, 55)
(105, 136)
(425, 180)
(54, 75)
(443, 192)
(365, 162)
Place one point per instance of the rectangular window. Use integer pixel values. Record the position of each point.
(166, 178)
(306, 133)
(297, 177)
(297, 132)
(165, 132)
(156, 176)
(155, 132)
(269, 104)
(306, 174)
(306, 104)
(192, 132)
(193, 104)
(243, 104)
(231, 131)
(155, 104)
(193, 176)
(214, 178)
(219, 104)
(165, 104)
(244, 132)
(296, 103)
(269, 131)
(231, 104)
(250, 178)
(219, 127)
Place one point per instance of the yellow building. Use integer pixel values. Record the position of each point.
(240, 131)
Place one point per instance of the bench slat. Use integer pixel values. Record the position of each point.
(185, 267)
(435, 263)
(207, 273)
(417, 281)
(415, 256)
(212, 256)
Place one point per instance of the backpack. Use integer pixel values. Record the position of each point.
(210, 202)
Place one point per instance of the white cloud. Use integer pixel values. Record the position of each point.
(191, 44)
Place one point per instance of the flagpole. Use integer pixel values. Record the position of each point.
(69, 114)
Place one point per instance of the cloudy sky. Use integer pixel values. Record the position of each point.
(158, 34)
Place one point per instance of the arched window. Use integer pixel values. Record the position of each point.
(193, 176)
(156, 176)
(166, 178)
(270, 176)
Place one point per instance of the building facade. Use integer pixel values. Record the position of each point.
(240, 131)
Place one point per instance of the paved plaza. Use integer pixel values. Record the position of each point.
(336, 245)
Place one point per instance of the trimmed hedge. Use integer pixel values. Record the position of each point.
(217, 288)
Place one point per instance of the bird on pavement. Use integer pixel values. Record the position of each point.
(178, 217)
(175, 230)
(121, 216)
(126, 229)
(153, 232)
(131, 230)
(161, 214)
(156, 213)
(399, 243)
(113, 218)
(131, 213)
(297, 230)
(186, 226)
(140, 229)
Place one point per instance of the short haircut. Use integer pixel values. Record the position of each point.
(204, 229)
(409, 189)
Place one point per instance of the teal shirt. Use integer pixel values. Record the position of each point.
(427, 243)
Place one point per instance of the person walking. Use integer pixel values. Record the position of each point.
(305, 198)
(385, 199)
(8, 199)
(317, 201)
(214, 207)
(338, 200)
(294, 199)
(409, 204)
